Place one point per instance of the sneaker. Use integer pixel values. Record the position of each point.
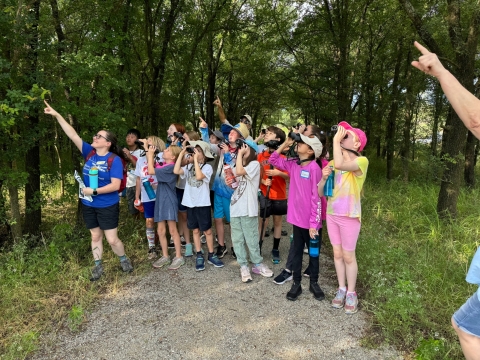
(221, 251)
(276, 256)
(305, 250)
(295, 291)
(306, 273)
(267, 233)
(283, 277)
(215, 261)
(316, 291)
(171, 244)
(200, 263)
(262, 269)
(152, 253)
(351, 304)
(164, 260)
(188, 250)
(284, 233)
(246, 277)
(203, 239)
(126, 265)
(233, 253)
(339, 299)
(97, 272)
(176, 263)
(182, 240)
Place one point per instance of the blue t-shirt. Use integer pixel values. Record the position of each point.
(473, 275)
(104, 176)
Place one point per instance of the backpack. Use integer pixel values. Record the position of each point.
(123, 182)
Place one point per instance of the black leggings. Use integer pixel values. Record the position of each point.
(295, 255)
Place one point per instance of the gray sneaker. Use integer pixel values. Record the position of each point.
(176, 263)
(97, 272)
(126, 266)
(164, 260)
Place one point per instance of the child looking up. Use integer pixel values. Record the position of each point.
(304, 207)
(166, 204)
(196, 198)
(275, 181)
(141, 194)
(344, 209)
(244, 212)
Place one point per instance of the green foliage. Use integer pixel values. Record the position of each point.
(412, 266)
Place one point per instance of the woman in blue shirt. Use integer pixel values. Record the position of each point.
(101, 214)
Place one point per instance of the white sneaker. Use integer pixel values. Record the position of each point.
(262, 269)
(203, 239)
(246, 277)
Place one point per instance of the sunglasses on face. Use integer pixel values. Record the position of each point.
(98, 136)
(245, 121)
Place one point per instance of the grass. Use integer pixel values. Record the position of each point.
(412, 266)
(412, 269)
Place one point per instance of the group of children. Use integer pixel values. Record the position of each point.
(231, 175)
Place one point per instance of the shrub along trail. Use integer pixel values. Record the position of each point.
(211, 314)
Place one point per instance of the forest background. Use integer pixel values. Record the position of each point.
(126, 63)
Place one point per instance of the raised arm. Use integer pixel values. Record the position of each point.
(221, 112)
(67, 128)
(465, 104)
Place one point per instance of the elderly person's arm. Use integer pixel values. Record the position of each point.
(465, 104)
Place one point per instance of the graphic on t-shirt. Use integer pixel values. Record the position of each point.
(192, 179)
(242, 185)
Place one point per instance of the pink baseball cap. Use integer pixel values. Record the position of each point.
(360, 134)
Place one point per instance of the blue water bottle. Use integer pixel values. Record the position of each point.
(314, 249)
(148, 189)
(329, 184)
(93, 177)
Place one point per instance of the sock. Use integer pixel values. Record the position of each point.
(343, 288)
(98, 262)
(123, 257)
(276, 243)
(210, 254)
(151, 237)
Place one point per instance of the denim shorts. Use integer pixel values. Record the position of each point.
(467, 317)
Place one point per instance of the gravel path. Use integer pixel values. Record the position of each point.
(211, 314)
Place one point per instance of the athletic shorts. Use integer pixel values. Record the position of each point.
(221, 208)
(104, 218)
(149, 209)
(199, 218)
(130, 192)
(343, 231)
(274, 207)
(467, 317)
(181, 208)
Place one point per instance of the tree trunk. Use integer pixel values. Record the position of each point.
(16, 223)
(409, 107)
(33, 207)
(391, 124)
(469, 171)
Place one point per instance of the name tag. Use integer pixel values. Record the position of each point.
(305, 174)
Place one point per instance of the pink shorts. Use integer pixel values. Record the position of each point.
(344, 231)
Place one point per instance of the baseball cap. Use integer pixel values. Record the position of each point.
(360, 134)
(314, 143)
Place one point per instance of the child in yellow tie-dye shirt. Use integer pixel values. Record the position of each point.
(344, 209)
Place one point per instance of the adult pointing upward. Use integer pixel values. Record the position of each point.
(466, 320)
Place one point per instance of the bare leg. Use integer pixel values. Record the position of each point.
(351, 269)
(260, 220)
(161, 230)
(183, 227)
(196, 240)
(209, 236)
(220, 231)
(277, 229)
(97, 244)
(339, 265)
(470, 344)
(115, 242)
(172, 227)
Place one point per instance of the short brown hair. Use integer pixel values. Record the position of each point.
(279, 133)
